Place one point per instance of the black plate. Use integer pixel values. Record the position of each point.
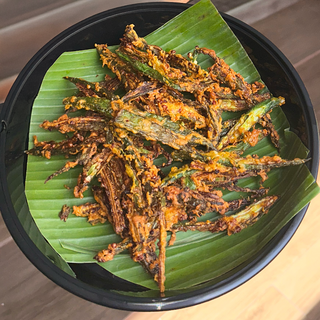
(93, 283)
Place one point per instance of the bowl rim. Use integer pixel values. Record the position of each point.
(132, 303)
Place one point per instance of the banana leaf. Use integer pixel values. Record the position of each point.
(195, 257)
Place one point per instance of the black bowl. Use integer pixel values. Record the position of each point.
(93, 283)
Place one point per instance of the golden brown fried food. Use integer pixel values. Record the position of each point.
(125, 143)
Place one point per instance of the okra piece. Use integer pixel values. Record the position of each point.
(211, 177)
(249, 163)
(233, 159)
(226, 125)
(233, 105)
(113, 249)
(91, 168)
(130, 36)
(104, 106)
(161, 219)
(214, 124)
(243, 145)
(128, 76)
(66, 124)
(234, 223)
(247, 121)
(112, 178)
(101, 198)
(167, 102)
(142, 89)
(265, 163)
(222, 168)
(69, 165)
(169, 68)
(100, 105)
(148, 258)
(267, 125)
(157, 128)
(82, 158)
(254, 192)
(47, 149)
(176, 174)
(64, 213)
(197, 203)
(93, 211)
(221, 71)
(91, 89)
(142, 253)
(136, 188)
(149, 71)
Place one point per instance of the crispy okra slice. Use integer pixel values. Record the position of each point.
(227, 167)
(104, 106)
(47, 149)
(149, 71)
(234, 223)
(100, 105)
(247, 121)
(65, 124)
(82, 158)
(127, 75)
(155, 63)
(268, 126)
(91, 169)
(165, 101)
(92, 89)
(161, 129)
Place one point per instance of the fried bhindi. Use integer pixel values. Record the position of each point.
(172, 110)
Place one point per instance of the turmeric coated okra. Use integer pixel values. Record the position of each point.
(157, 152)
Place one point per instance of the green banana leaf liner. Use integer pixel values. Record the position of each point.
(196, 257)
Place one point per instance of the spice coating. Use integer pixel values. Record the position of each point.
(120, 137)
